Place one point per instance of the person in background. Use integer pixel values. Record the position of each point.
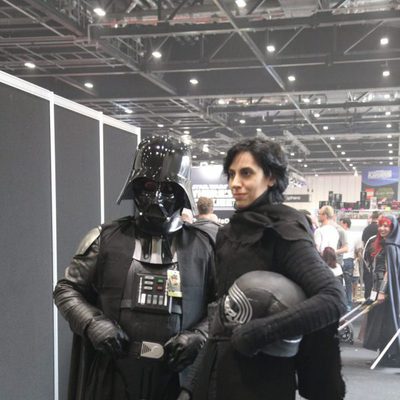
(343, 245)
(358, 262)
(326, 235)
(383, 320)
(206, 218)
(329, 256)
(135, 293)
(369, 231)
(348, 263)
(257, 359)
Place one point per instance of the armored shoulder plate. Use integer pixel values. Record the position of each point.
(88, 240)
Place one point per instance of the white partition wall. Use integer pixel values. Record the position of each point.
(62, 167)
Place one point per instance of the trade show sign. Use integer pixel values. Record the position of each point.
(381, 182)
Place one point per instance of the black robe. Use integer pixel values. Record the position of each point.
(275, 238)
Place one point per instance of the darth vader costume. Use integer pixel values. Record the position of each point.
(266, 357)
(136, 292)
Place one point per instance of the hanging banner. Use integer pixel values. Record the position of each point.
(381, 182)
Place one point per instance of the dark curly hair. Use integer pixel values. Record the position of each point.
(270, 157)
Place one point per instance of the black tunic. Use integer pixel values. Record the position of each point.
(275, 238)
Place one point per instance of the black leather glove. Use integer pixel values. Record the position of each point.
(184, 395)
(182, 349)
(108, 337)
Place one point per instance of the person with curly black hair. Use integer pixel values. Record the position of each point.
(254, 360)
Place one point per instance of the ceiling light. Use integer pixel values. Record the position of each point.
(339, 146)
(160, 125)
(390, 158)
(350, 165)
(332, 138)
(156, 54)
(390, 145)
(242, 121)
(386, 96)
(390, 151)
(270, 48)
(128, 111)
(343, 153)
(317, 115)
(299, 160)
(306, 100)
(354, 167)
(305, 165)
(89, 85)
(205, 148)
(291, 78)
(292, 154)
(258, 129)
(30, 65)
(388, 125)
(186, 132)
(384, 41)
(193, 81)
(194, 156)
(316, 175)
(99, 11)
(386, 72)
(221, 101)
(391, 163)
(222, 153)
(325, 127)
(380, 162)
(212, 162)
(387, 113)
(240, 3)
(347, 159)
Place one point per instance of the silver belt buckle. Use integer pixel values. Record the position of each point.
(151, 350)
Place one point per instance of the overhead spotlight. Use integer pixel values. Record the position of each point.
(325, 127)
(292, 154)
(258, 129)
(332, 138)
(389, 136)
(291, 78)
(315, 174)
(388, 125)
(317, 115)
(205, 148)
(270, 48)
(240, 3)
(89, 85)
(384, 41)
(156, 54)
(128, 111)
(350, 165)
(347, 159)
(343, 153)
(306, 100)
(390, 158)
(390, 151)
(186, 132)
(390, 145)
(193, 81)
(386, 72)
(222, 153)
(30, 65)
(305, 165)
(160, 125)
(339, 146)
(386, 96)
(299, 160)
(242, 121)
(194, 156)
(391, 163)
(387, 113)
(99, 11)
(354, 167)
(221, 101)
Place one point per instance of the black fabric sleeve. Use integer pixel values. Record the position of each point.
(74, 294)
(300, 262)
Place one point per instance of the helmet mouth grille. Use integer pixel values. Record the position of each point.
(237, 306)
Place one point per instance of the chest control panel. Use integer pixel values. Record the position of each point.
(151, 293)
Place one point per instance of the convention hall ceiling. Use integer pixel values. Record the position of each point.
(321, 77)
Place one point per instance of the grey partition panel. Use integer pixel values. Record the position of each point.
(78, 201)
(26, 334)
(119, 150)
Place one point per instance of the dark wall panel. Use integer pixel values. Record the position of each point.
(78, 201)
(119, 150)
(26, 336)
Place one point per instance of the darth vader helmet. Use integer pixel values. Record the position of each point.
(258, 294)
(160, 185)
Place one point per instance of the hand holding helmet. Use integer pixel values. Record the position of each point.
(251, 299)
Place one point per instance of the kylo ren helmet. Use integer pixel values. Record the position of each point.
(258, 294)
(159, 183)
